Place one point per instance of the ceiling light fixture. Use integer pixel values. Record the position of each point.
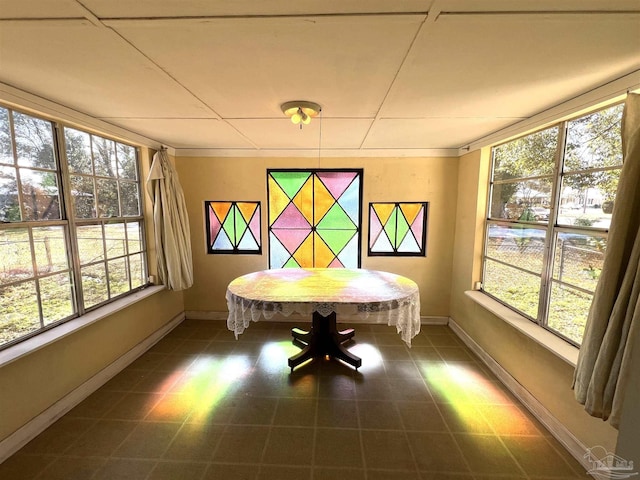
(300, 111)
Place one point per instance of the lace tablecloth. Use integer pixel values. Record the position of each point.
(386, 297)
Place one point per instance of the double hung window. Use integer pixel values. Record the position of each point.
(71, 226)
(551, 198)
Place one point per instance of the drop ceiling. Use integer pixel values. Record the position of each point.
(393, 77)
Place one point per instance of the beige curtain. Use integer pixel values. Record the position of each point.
(171, 224)
(603, 372)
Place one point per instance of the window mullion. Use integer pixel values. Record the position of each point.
(68, 210)
(105, 256)
(126, 252)
(550, 244)
(520, 179)
(142, 231)
(14, 151)
(36, 276)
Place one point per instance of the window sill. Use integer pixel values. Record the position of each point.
(546, 339)
(48, 337)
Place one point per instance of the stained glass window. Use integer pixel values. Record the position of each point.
(398, 229)
(314, 218)
(233, 227)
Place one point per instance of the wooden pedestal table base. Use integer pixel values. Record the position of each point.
(382, 296)
(322, 340)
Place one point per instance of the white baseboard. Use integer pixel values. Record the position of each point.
(205, 315)
(210, 315)
(434, 320)
(576, 448)
(38, 424)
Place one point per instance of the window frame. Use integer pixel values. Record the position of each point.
(69, 223)
(235, 250)
(395, 252)
(359, 173)
(552, 228)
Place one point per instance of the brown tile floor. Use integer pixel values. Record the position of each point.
(201, 405)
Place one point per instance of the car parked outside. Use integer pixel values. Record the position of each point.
(540, 213)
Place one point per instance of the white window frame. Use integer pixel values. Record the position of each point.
(552, 228)
(70, 223)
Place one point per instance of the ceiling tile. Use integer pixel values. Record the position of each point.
(19, 9)
(202, 8)
(245, 68)
(92, 70)
(186, 133)
(536, 5)
(212, 75)
(336, 133)
(511, 65)
(432, 132)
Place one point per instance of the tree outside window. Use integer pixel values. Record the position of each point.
(552, 193)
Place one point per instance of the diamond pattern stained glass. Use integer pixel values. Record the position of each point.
(398, 229)
(233, 227)
(314, 218)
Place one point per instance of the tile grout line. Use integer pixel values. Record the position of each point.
(280, 395)
(449, 432)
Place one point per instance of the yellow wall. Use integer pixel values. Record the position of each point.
(385, 179)
(543, 374)
(45, 376)
(33, 383)
(456, 190)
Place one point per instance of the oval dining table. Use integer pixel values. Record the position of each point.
(324, 293)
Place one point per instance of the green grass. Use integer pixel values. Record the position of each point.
(568, 312)
(569, 307)
(20, 314)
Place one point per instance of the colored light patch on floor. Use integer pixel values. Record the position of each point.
(454, 384)
(472, 394)
(197, 392)
(274, 355)
(370, 355)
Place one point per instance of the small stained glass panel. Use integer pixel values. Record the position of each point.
(233, 227)
(398, 228)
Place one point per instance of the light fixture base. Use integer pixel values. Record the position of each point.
(300, 110)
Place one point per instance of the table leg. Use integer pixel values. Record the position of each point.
(323, 339)
(301, 335)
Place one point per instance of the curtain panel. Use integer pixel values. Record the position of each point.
(171, 224)
(603, 370)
